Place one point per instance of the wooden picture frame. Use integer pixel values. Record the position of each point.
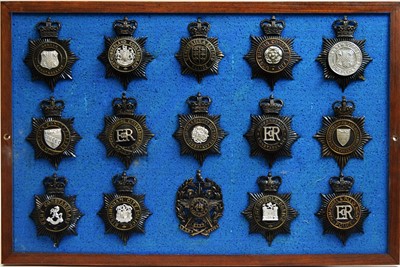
(10, 257)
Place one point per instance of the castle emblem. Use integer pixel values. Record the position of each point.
(123, 212)
(199, 134)
(125, 57)
(53, 137)
(269, 213)
(271, 57)
(270, 134)
(344, 58)
(343, 136)
(49, 58)
(342, 212)
(55, 214)
(199, 206)
(125, 134)
(199, 55)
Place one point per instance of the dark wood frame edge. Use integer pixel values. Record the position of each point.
(11, 258)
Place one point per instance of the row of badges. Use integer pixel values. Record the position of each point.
(126, 134)
(199, 205)
(271, 56)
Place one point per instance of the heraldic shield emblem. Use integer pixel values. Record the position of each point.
(342, 212)
(271, 56)
(125, 57)
(199, 134)
(49, 58)
(199, 55)
(53, 137)
(343, 136)
(125, 134)
(270, 134)
(55, 214)
(343, 58)
(123, 212)
(269, 213)
(199, 206)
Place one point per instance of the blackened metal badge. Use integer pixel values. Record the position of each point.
(269, 213)
(199, 206)
(199, 134)
(199, 55)
(343, 136)
(123, 212)
(55, 214)
(342, 212)
(271, 56)
(53, 137)
(125, 134)
(49, 58)
(271, 135)
(344, 58)
(125, 57)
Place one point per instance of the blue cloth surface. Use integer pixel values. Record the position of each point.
(235, 96)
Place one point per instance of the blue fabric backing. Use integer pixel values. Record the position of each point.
(235, 96)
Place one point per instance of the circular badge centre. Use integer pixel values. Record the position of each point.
(200, 133)
(271, 134)
(50, 59)
(199, 207)
(53, 137)
(55, 214)
(345, 58)
(273, 55)
(343, 136)
(199, 54)
(343, 212)
(125, 55)
(126, 135)
(270, 212)
(124, 213)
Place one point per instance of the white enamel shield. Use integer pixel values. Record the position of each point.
(343, 135)
(49, 59)
(53, 137)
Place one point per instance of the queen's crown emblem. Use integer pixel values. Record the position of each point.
(124, 183)
(55, 184)
(199, 28)
(272, 26)
(125, 26)
(341, 184)
(124, 105)
(344, 27)
(48, 28)
(343, 108)
(199, 103)
(52, 107)
(269, 183)
(271, 105)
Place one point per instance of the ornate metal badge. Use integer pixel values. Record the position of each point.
(271, 135)
(343, 136)
(49, 58)
(343, 58)
(272, 57)
(124, 213)
(125, 57)
(199, 206)
(199, 55)
(269, 213)
(125, 134)
(199, 134)
(342, 212)
(55, 214)
(53, 137)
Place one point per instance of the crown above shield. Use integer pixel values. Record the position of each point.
(199, 28)
(269, 183)
(48, 28)
(343, 108)
(272, 26)
(341, 184)
(271, 105)
(55, 184)
(124, 183)
(52, 107)
(344, 27)
(124, 105)
(199, 103)
(125, 26)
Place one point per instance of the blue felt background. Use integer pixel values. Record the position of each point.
(235, 96)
